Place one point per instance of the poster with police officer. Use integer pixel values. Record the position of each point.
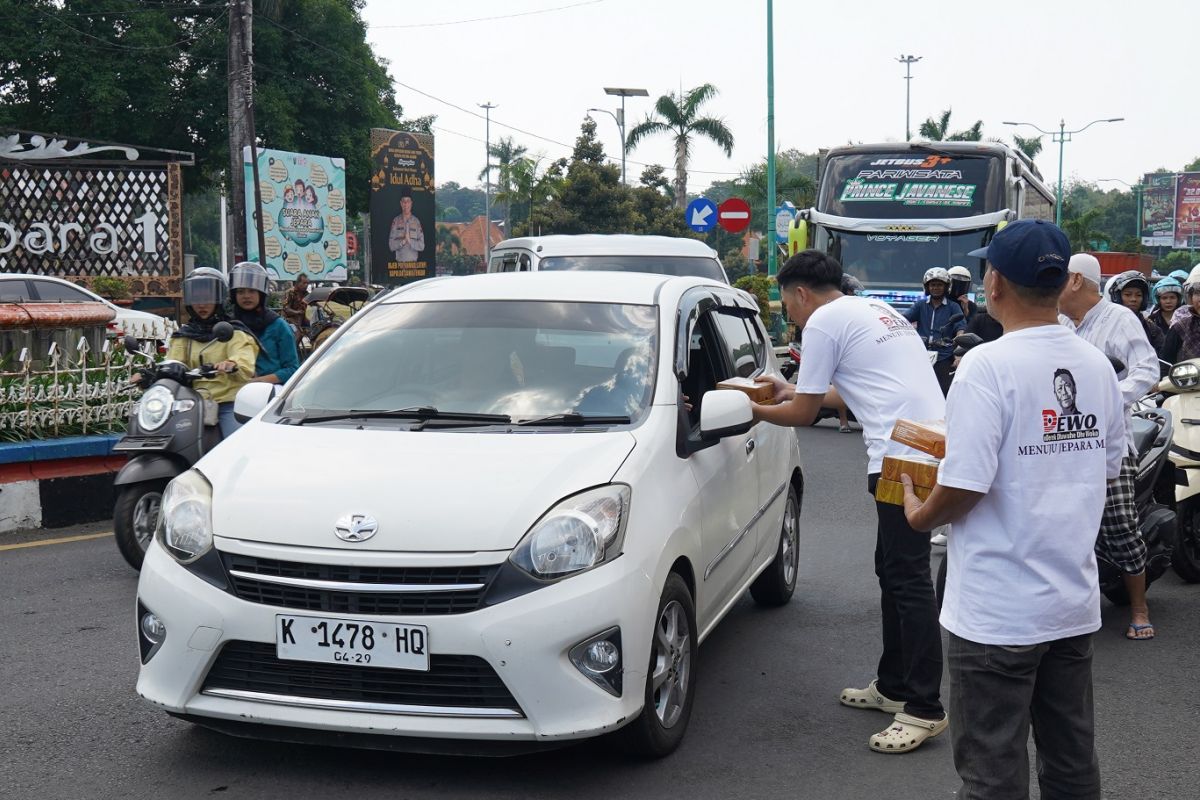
(403, 232)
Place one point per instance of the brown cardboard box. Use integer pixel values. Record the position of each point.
(758, 392)
(923, 471)
(893, 492)
(928, 437)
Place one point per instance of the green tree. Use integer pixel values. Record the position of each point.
(759, 286)
(448, 242)
(1030, 146)
(1082, 230)
(679, 116)
(1194, 166)
(506, 153)
(938, 130)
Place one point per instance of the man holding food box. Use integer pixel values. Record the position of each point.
(1035, 430)
(875, 360)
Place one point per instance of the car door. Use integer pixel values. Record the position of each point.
(726, 474)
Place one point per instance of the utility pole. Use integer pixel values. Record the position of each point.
(487, 197)
(907, 61)
(772, 247)
(241, 127)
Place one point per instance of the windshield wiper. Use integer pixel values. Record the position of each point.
(575, 418)
(412, 412)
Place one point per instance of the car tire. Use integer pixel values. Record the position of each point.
(135, 517)
(777, 583)
(661, 725)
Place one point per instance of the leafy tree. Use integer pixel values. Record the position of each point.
(1194, 166)
(466, 203)
(1083, 231)
(1030, 146)
(679, 116)
(759, 286)
(448, 241)
(939, 130)
(506, 153)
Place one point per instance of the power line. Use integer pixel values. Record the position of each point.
(488, 19)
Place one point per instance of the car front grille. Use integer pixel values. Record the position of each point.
(357, 589)
(454, 684)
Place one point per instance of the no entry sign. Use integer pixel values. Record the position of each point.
(734, 215)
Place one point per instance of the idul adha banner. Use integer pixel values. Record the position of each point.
(304, 214)
(1187, 210)
(1158, 210)
(403, 236)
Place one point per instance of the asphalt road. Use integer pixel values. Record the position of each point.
(767, 723)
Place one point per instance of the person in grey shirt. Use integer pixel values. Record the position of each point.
(1118, 333)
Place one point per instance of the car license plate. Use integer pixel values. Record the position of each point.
(351, 641)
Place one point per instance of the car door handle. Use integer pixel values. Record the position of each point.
(749, 447)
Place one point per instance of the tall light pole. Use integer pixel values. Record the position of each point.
(620, 116)
(772, 245)
(1062, 137)
(1137, 195)
(908, 61)
(487, 171)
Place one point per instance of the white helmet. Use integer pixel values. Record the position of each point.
(957, 272)
(1193, 280)
(936, 274)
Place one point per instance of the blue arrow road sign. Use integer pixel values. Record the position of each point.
(701, 215)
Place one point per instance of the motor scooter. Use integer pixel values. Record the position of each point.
(169, 429)
(1181, 390)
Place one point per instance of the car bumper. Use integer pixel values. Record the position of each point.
(525, 640)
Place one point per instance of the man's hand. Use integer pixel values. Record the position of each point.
(965, 303)
(784, 391)
(226, 366)
(912, 503)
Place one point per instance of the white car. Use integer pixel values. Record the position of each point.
(16, 288)
(482, 514)
(662, 255)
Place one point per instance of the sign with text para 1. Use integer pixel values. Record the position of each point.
(403, 233)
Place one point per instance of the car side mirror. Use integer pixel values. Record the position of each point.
(725, 412)
(223, 331)
(253, 398)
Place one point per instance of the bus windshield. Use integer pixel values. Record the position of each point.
(911, 185)
(899, 261)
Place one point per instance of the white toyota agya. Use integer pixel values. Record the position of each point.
(494, 512)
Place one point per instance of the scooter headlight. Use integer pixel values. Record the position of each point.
(185, 521)
(154, 407)
(1185, 376)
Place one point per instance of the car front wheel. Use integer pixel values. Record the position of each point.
(670, 680)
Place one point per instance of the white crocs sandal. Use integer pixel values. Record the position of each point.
(907, 733)
(870, 697)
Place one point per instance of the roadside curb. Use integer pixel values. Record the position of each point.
(54, 483)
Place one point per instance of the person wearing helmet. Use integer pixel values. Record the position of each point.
(204, 295)
(1185, 309)
(277, 356)
(937, 321)
(960, 292)
(1180, 275)
(1117, 333)
(1183, 339)
(1168, 295)
(1132, 290)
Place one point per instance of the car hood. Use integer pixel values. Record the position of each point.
(428, 491)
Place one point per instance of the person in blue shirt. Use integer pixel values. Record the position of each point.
(277, 357)
(938, 321)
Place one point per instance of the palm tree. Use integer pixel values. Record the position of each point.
(1082, 231)
(939, 130)
(678, 115)
(506, 152)
(1030, 147)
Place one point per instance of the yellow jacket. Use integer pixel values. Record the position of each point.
(241, 349)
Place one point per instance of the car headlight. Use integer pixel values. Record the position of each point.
(154, 407)
(1185, 376)
(581, 532)
(185, 520)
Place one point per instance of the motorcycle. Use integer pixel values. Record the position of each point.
(1152, 430)
(169, 429)
(1181, 391)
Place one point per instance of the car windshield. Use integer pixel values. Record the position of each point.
(699, 266)
(522, 359)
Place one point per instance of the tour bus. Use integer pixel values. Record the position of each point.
(889, 212)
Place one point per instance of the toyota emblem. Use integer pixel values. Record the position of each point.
(356, 527)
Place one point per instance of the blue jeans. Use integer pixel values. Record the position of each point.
(226, 421)
(997, 692)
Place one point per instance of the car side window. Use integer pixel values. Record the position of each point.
(742, 348)
(49, 292)
(706, 366)
(15, 292)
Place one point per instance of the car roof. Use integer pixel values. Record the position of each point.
(617, 244)
(595, 287)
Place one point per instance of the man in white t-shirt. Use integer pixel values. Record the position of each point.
(1035, 430)
(875, 360)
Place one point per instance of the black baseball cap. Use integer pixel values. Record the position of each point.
(1029, 252)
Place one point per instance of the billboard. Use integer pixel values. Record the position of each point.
(1158, 210)
(1187, 210)
(403, 236)
(304, 214)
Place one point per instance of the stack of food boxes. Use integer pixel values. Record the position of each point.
(756, 391)
(928, 437)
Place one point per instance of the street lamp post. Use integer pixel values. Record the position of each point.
(907, 61)
(1137, 196)
(487, 196)
(620, 117)
(1062, 137)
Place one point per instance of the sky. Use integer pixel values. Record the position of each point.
(543, 63)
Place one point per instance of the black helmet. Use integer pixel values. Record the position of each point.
(851, 285)
(205, 286)
(1130, 279)
(248, 275)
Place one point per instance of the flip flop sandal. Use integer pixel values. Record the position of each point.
(907, 733)
(1136, 628)
(870, 697)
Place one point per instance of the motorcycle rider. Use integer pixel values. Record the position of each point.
(1118, 334)
(1183, 339)
(1132, 290)
(1168, 295)
(960, 292)
(277, 358)
(931, 317)
(204, 295)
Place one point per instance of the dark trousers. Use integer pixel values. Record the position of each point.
(996, 692)
(910, 668)
(943, 369)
